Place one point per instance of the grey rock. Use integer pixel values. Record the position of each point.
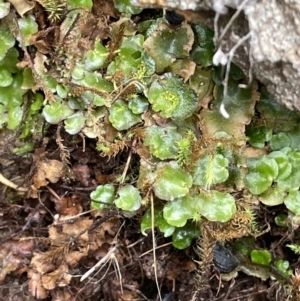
(274, 42)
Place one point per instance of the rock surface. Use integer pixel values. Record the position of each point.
(274, 43)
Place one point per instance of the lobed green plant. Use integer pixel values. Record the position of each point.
(155, 84)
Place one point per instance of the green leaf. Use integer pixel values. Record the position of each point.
(6, 42)
(171, 97)
(273, 196)
(92, 98)
(125, 6)
(131, 61)
(281, 220)
(75, 123)
(203, 47)
(171, 181)
(262, 257)
(12, 95)
(162, 141)
(24, 149)
(138, 104)
(215, 205)
(210, 170)
(4, 9)
(167, 44)
(50, 82)
(159, 222)
(95, 59)
(294, 137)
(56, 111)
(244, 245)
(266, 166)
(284, 166)
(183, 237)
(283, 267)
(291, 182)
(28, 79)
(177, 212)
(201, 82)
(9, 62)
(129, 198)
(275, 115)
(5, 78)
(103, 196)
(239, 104)
(81, 3)
(15, 115)
(292, 202)
(121, 116)
(257, 183)
(258, 136)
(280, 141)
(27, 26)
(78, 71)
(163, 226)
(95, 80)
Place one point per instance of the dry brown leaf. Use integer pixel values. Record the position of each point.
(73, 257)
(78, 226)
(251, 152)
(8, 262)
(22, 64)
(82, 174)
(148, 118)
(23, 247)
(106, 8)
(128, 295)
(68, 205)
(22, 6)
(184, 68)
(47, 170)
(42, 262)
(35, 285)
(39, 62)
(60, 277)
(62, 295)
(44, 39)
(111, 226)
(104, 179)
(56, 237)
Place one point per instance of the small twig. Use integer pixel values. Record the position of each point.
(136, 242)
(12, 185)
(235, 15)
(151, 250)
(154, 246)
(248, 295)
(131, 287)
(97, 223)
(128, 161)
(103, 260)
(230, 57)
(71, 188)
(68, 218)
(83, 142)
(225, 82)
(42, 204)
(128, 85)
(53, 193)
(229, 289)
(216, 19)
